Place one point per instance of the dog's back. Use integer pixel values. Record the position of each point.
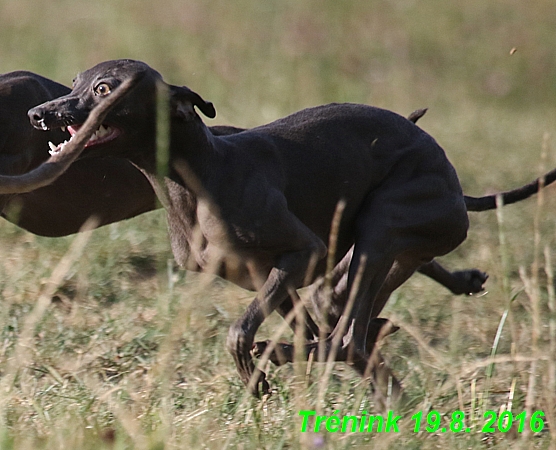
(339, 151)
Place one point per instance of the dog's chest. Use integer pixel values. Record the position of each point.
(224, 234)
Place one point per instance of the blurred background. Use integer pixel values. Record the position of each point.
(487, 72)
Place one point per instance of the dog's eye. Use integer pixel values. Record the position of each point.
(102, 89)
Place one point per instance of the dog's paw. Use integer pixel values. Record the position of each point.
(469, 282)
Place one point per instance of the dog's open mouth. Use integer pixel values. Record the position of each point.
(105, 133)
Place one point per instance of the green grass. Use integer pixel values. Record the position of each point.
(130, 352)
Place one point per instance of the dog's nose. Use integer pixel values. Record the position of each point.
(36, 116)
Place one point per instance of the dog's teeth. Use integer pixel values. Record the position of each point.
(102, 131)
(63, 128)
(53, 149)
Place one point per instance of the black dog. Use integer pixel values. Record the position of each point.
(263, 199)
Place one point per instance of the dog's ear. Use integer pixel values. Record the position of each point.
(182, 101)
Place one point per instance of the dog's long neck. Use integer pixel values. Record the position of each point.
(194, 153)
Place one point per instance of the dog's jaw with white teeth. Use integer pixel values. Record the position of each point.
(103, 134)
(55, 149)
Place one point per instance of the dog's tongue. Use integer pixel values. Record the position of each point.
(73, 129)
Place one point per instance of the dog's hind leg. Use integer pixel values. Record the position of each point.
(461, 282)
(395, 236)
(328, 304)
(387, 388)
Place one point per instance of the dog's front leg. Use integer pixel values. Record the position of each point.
(287, 275)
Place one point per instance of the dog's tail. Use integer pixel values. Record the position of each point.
(515, 195)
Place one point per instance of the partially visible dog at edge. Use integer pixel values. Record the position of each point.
(263, 200)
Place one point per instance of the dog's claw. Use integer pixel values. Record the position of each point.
(253, 380)
(477, 280)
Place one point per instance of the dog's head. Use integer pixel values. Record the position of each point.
(130, 127)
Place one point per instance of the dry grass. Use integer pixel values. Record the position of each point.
(130, 351)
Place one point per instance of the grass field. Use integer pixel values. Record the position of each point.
(105, 344)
